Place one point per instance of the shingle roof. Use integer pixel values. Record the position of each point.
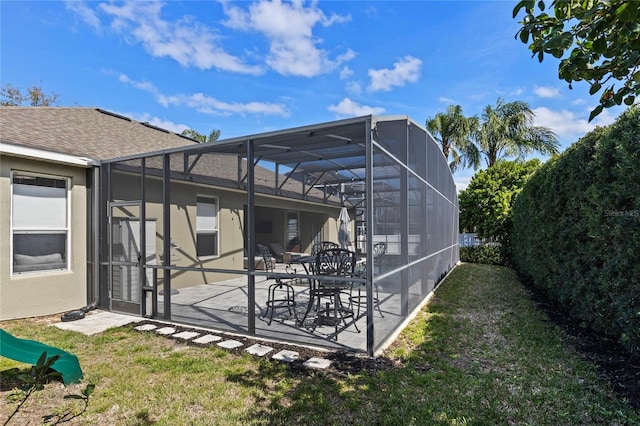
(83, 132)
(101, 135)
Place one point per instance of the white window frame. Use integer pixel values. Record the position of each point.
(203, 227)
(287, 236)
(17, 230)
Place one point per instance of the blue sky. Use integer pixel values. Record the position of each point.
(254, 66)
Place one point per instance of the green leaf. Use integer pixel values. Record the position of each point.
(594, 88)
(524, 35)
(628, 11)
(88, 390)
(541, 5)
(566, 40)
(24, 378)
(519, 6)
(41, 359)
(629, 100)
(540, 56)
(595, 112)
(617, 98)
(599, 45)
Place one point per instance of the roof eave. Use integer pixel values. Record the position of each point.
(49, 156)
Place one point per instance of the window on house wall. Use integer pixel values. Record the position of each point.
(207, 226)
(292, 230)
(39, 223)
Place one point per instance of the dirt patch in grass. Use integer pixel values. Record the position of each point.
(617, 364)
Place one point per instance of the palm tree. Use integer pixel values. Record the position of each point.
(507, 130)
(452, 130)
(193, 134)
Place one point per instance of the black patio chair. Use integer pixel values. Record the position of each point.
(361, 299)
(323, 245)
(332, 263)
(286, 297)
(379, 251)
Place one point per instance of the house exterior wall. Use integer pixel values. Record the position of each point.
(45, 292)
(126, 187)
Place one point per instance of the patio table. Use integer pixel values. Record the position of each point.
(305, 261)
(333, 313)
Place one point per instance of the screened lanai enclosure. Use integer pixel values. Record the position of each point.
(185, 230)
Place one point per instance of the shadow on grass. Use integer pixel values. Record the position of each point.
(479, 353)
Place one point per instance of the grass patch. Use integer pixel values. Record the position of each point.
(479, 353)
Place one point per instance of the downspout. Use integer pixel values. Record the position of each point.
(95, 230)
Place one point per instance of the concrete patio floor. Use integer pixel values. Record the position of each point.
(224, 306)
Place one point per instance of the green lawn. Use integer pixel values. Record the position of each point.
(479, 354)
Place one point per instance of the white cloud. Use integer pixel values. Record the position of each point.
(345, 73)
(206, 104)
(371, 11)
(87, 14)
(405, 70)
(354, 87)
(462, 182)
(158, 122)
(293, 49)
(142, 85)
(186, 41)
(445, 100)
(568, 125)
(546, 91)
(349, 108)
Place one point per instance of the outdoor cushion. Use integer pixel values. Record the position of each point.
(23, 259)
(26, 263)
(277, 250)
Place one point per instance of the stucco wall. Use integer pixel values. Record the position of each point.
(46, 292)
(231, 224)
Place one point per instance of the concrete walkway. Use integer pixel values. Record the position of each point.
(96, 322)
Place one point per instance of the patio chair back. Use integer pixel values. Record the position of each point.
(323, 245)
(335, 261)
(269, 263)
(379, 250)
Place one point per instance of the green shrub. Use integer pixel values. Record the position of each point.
(576, 229)
(485, 206)
(489, 254)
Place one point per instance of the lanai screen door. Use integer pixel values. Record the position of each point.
(125, 257)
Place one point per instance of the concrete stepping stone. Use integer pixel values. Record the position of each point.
(259, 350)
(207, 338)
(165, 331)
(317, 363)
(230, 344)
(186, 335)
(286, 356)
(146, 327)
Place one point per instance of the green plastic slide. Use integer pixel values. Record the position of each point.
(29, 351)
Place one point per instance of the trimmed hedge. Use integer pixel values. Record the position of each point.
(576, 229)
(489, 254)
